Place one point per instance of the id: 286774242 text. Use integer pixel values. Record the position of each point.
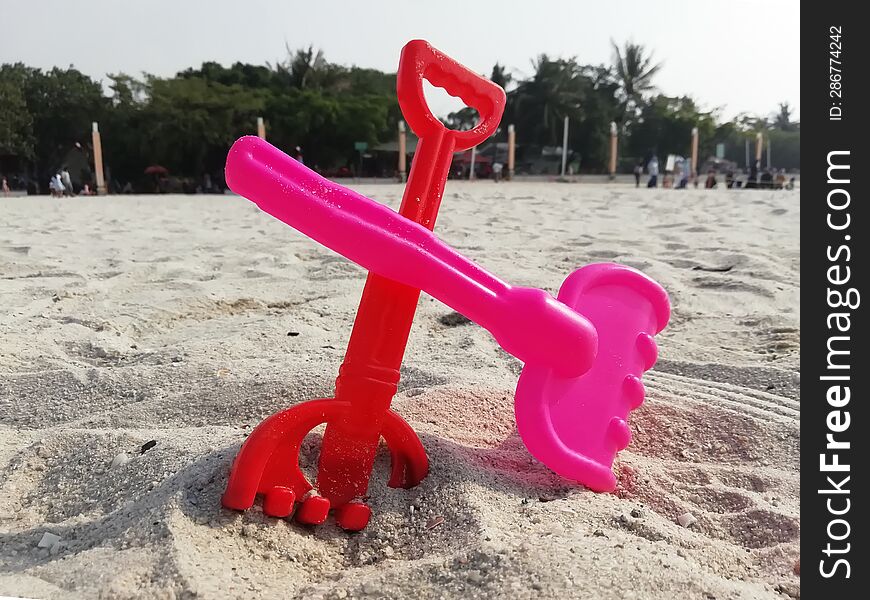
(835, 73)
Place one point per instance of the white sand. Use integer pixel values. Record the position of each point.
(166, 318)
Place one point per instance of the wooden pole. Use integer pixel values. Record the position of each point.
(695, 155)
(98, 159)
(613, 142)
(565, 146)
(403, 153)
(759, 143)
(473, 156)
(261, 128)
(512, 140)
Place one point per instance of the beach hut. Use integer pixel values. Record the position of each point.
(385, 157)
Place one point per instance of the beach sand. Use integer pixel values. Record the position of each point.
(187, 320)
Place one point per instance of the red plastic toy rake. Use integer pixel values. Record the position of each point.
(360, 414)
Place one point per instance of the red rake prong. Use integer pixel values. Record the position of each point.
(410, 465)
(282, 469)
(278, 502)
(269, 458)
(313, 511)
(353, 516)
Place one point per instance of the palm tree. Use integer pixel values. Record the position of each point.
(300, 65)
(782, 119)
(463, 119)
(634, 71)
(554, 92)
(500, 76)
(753, 123)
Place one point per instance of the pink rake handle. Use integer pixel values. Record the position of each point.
(527, 322)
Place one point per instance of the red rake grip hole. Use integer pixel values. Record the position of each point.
(459, 87)
(420, 61)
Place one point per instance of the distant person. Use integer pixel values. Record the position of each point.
(729, 179)
(780, 180)
(652, 168)
(681, 174)
(752, 179)
(298, 155)
(67, 182)
(638, 171)
(711, 180)
(496, 171)
(55, 186)
(790, 184)
(4, 187)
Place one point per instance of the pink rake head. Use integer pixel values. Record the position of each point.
(576, 425)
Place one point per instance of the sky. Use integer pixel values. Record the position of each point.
(740, 56)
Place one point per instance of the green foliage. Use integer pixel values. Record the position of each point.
(463, 119)
(561, 88)
(665, 127)
(247, 76)
(589, 137)
(194, 118)
(539, 104)
(186, 123)
(327, 125)
(782, 119)
(16, 123)
(307, 68)
(783, 134)
(785, 147)
(500, 76)
(60, 106)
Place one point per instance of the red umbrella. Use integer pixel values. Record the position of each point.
(156, 170)
(465, 157)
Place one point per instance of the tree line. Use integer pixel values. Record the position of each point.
(186, 122)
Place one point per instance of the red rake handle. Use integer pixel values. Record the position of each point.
(421, 61)
(367, 382)
(370, 371)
